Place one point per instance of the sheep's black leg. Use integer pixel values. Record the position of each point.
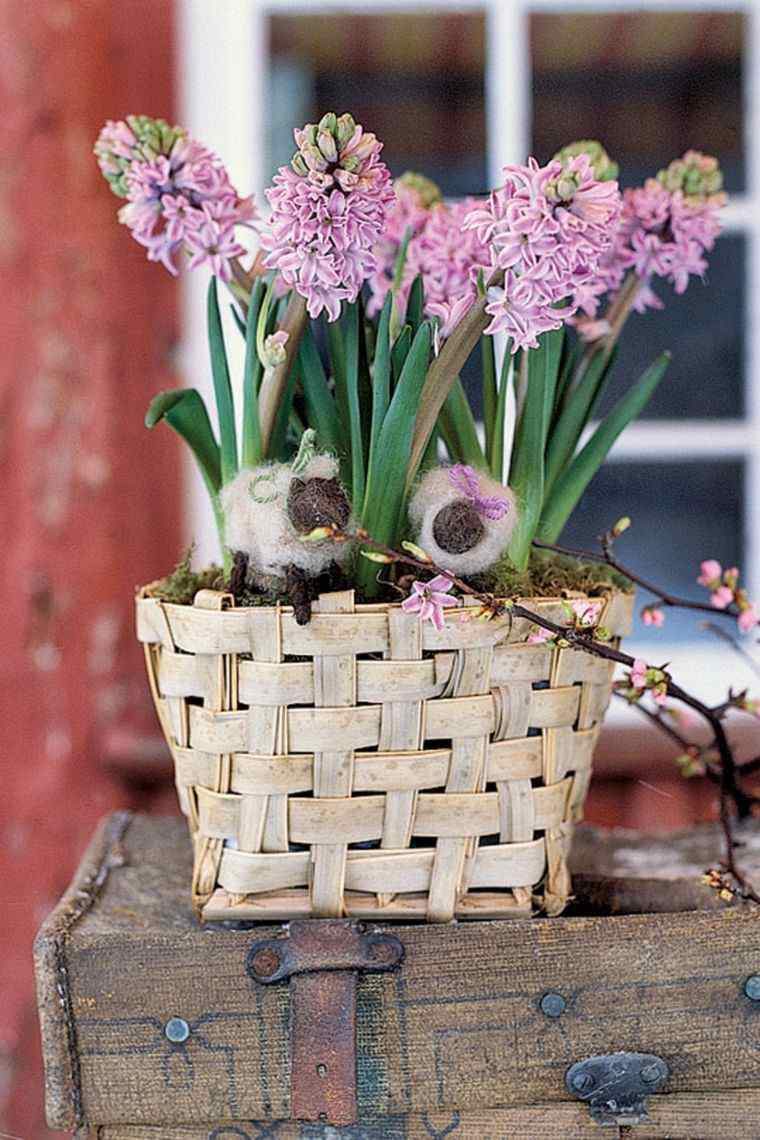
(238, 574)
(299, 593)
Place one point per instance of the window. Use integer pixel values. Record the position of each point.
(458, 88)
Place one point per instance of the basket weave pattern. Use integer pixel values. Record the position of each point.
(366, 764)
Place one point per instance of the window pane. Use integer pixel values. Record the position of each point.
(415, 80)
(647, 84)
(681, 512)
(704, 329)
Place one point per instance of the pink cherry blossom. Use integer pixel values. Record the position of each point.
(748, 618)
(465, 480)
(710, 571)
(586, 613)
(429, 599)
(721, 598)
(539, 636)
(654, 616)
(639, 673)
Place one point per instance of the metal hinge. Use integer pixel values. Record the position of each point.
(322, 959)
(615, 1086)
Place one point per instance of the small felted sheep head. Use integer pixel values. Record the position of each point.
(269, 509)
(462, 518)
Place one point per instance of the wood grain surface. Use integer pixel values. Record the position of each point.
(456, 1035)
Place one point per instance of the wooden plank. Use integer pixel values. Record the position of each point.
(458, 1029)
(685, 1116)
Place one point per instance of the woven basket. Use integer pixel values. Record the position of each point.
(366, 764)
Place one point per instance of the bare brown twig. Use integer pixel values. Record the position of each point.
(727, 773)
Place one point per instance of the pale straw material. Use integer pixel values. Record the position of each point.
(366, 764)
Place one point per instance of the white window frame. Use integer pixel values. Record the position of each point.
(223, 67)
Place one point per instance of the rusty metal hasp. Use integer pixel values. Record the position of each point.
(322, 958)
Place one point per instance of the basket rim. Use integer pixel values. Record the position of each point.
(142, 594)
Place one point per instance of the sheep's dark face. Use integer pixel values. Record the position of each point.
(458, 527)
(317, 502)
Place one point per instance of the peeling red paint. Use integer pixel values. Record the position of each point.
(90, 503)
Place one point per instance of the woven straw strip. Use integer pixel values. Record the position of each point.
(363, 631)
(507, 760)
(514, 864)
(334, 687)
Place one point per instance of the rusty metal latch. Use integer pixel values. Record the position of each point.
(322, 958)
(615, 1086)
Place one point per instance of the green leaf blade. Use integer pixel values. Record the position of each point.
(222, 387)
(573, 482)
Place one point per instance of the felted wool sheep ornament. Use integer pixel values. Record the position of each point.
(268, 511)
(462, 518)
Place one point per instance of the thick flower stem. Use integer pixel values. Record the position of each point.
(274, 383)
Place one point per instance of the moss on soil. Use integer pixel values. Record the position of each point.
(552, 576)
(548, 576)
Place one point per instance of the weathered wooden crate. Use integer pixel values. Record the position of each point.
(154, 1027)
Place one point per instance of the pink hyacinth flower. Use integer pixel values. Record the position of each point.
(710, 571)
(429, 599)
(464, 479)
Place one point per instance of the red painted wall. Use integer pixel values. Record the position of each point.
(89, 501)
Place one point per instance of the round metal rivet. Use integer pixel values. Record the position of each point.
(176, 1030)
(752, 987)
(266, 962)
(553, 1004)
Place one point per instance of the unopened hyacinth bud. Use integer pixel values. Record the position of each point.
(139, 138)
(332, 150)
(698, 176)
(605, 170)
(427, 192)
(273, 352)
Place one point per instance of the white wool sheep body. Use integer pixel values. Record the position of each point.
(255, 505)
(435, 491)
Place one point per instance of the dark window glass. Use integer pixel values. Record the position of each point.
(681, 512)
(704, 329)
(414, 79)
(647, 84)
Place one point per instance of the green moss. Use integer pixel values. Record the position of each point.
(551, 575)
(548, 576)
(183, 583)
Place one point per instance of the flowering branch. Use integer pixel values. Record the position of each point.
(726, 599)
(428, 599)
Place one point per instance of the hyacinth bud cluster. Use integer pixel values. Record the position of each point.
(667, 226)
(329, 210)
(179, 197)
(546, 230)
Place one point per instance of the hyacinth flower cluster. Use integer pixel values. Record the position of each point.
(179, 198)
(546, 230)
(667, 227)
(329, 211)
(365, 298)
